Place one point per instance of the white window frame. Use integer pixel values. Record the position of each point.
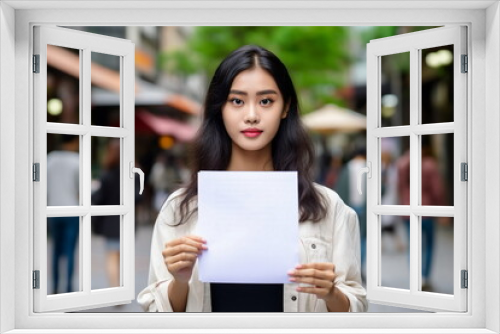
(414, 43)
(483, 21)
(84, 297)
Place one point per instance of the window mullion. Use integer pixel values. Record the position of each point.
(85, 167)
(434, 129)
(101, 131)
(128, 156)
(414, 168)
(68, 129)
(397, 210)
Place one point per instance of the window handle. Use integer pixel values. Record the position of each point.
(368, 170)
(141, 175)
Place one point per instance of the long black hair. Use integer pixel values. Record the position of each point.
(292, 149)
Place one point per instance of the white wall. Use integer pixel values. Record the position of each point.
(7, 162)
(485, 153)
(492, 155)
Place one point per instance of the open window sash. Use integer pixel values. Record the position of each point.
(414, 43)
(85, 297)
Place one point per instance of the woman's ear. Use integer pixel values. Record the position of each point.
(285, 111)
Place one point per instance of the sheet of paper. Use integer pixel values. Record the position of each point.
(250, 221)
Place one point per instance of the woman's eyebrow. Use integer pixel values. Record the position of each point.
(267, 91)
(262, 92)
(237, 92)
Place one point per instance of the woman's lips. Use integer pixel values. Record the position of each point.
(252, 133)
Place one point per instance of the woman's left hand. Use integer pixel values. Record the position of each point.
(321, 277)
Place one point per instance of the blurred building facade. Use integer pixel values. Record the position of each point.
(167, 107)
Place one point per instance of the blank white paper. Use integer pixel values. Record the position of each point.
(250, 221)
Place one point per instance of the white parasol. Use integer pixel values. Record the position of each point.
(331, 118)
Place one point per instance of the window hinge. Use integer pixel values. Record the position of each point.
(36, 172)
(36, 63)
(464, 172)
(465, 64)
(465, 279)
(36, 279)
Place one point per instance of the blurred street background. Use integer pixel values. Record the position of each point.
(173, 66)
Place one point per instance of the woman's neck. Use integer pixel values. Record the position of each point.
(250, 160)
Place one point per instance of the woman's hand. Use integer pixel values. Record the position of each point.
(321, 278)
(180, 256)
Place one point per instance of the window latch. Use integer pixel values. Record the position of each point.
(133, 170)
(368, 171)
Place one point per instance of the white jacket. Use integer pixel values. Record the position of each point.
(334, 239)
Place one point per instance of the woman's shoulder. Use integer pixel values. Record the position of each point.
(170, 211)
(334, 203)
(328, 194)
(174, 199)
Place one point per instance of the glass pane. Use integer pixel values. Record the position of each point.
(63, 84)
(106, 179)
(437, 84)
(437, 254)
(63, 170)
(437, 170)
(63, 260)
(395, 171)
(395, 90)
(105, 252)
(395, 265)
(105, 89)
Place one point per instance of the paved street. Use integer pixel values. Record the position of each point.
(394, 266)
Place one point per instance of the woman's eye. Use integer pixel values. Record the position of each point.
(236, 102)
(266, 102)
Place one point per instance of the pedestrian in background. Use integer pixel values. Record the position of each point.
(389, 191)
(109, 194)
(432, 193)
(164, 178)
(346, 187)
(63, 182)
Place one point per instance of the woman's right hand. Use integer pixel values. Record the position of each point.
(180, 256)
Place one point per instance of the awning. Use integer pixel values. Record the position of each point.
(163, 126)
(107, 84)
(147, 94)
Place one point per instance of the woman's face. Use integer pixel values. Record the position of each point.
(253, 110)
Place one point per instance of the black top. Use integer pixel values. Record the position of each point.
(108, 194)
(246, 297)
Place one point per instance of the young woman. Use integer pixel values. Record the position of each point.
(251, 123)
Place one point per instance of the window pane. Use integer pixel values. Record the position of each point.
(105, 89)
(437, 254)
(395, 171)
(395, 90)
(63, 170)
(437, 170)
(105, 252)
(63, 260)
(106, 179)
(437, 84)
(63, 85)
(395, 268)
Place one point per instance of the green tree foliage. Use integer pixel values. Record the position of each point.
(317, 58)
(401, 62)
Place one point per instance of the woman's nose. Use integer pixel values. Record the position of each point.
(251, 114)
